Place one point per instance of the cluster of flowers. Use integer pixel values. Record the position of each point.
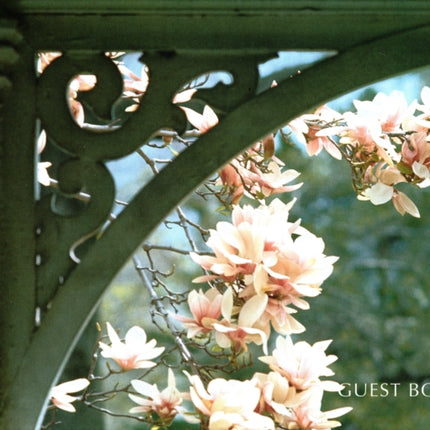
(257, 174)
(266, 264)
(386, 142)
(289, 394)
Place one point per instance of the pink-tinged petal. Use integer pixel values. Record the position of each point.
(113, 335)
(145, 389)
(140, 401)
(222, 421)
(204, 278)
(215, 298)
(335, 413)
(260, 334)
(184, 96)
(231, 235)
(171, 380)
(73, 386)
(41, 142)
(420, 170)
(203, 122)
(42, 173)
(64, 404)
(59, 394)
(210, 116)
(261, 279)
(135, 336)
(333, 150)
(403, 204)
(322, 345)
(331, 131)
(252, 310)
(227, 304)
(221, 339)
(313, 147)
(380, 193)
(425, 95)
(140, 364)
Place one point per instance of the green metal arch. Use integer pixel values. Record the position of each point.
(79, 296)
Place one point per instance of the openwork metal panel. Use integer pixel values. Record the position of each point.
(179, 41)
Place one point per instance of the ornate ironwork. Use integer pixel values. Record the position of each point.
(73, 289)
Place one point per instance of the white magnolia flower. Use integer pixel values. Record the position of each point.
(60, 394)
(134, 353)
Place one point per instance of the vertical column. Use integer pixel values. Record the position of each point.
(17, 178)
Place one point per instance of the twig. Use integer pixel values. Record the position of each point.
(183, 349)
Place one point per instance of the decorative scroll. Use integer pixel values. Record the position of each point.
(84, 170)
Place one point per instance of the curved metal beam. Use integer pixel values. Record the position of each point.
(78, 298)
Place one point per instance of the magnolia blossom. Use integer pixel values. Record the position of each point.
(308, 415)
(206, 309)
(381, 193)
(403, 204)
(60, 394)
(278, 314)
(232, 181)
(366, 135)
(420, 122)
(272, 181)
(277, 396)
(271, 258)
(42, 166)
(384, 140)
(388, 110)
(134, 353)
(166, 403)
(228, 332)
(204, 121)
(309, 131)
(299, 270)
(302, 364)
(246, 242)
(416, 155)
(257, 173)
(367, 128)
(229, 404)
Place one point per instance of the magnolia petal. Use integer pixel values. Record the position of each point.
(68, 407)
(171, 380)
(222, 340)
(73, 386)
(252, 310)
(403, 204)
(113, 335)
(380, 193)
(135, 336)
(425, 95)
(335, 413)
(420, 170)
(227, 304)
(184, 96)
(145, 389)
(333, 150)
